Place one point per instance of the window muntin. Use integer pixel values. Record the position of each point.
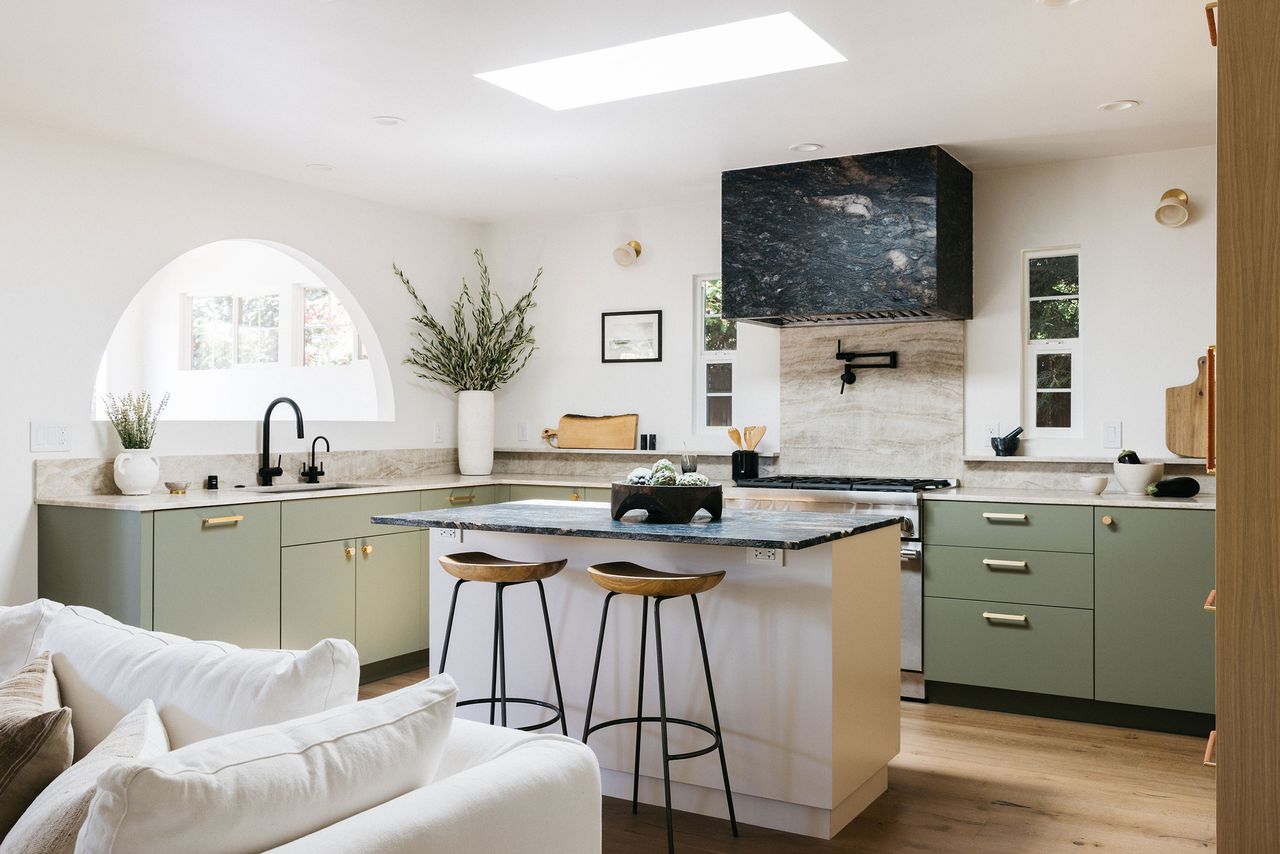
(717, 350)
(1052, 294)
(328, 336)
(225, 331)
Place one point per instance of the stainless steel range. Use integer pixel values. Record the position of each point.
(875, 496)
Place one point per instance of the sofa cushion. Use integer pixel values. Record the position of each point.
(35, 738)
(201, 688)
(22, 629)
(52, 822)
(249, 791)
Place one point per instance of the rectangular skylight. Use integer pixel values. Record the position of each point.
(737, 51)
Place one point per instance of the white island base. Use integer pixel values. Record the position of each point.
(804, 659)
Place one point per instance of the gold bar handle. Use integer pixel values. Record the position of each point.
(221, 521)
(462, 499)
(1004, 618)
(1210, 748)
(1211, 601)
(1005, 517)
(993, 563)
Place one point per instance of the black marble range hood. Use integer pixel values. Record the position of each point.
(870, 238)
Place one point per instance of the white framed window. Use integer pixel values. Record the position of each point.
(223, 331)
(327, 335)
(717, 351)
(1051, 289)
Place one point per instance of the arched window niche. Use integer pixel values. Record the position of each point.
(226, 327)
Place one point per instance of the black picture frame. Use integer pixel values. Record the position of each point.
(605, 358)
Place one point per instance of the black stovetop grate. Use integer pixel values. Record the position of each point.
(845, 484)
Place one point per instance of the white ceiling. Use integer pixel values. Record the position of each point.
(270, 85)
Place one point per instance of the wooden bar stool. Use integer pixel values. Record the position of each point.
(632, 579)
(478, 566)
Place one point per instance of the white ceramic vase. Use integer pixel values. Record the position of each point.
(475, 432)
(136, 472)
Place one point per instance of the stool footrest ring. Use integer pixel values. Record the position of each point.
(653, 719)
(497, 701)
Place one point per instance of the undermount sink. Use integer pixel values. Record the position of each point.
(310, 487)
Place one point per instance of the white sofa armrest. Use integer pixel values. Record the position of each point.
(534, 794)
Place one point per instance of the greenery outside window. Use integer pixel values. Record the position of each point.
(329, 336)
(1051, 285)
(717, 345)
(225, 331)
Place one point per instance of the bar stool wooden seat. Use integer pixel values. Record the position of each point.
(502, 573)
(622, 578)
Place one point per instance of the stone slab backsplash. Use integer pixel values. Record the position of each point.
(1059, 475)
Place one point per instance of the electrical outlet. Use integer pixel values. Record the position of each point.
(451, 534)
(1112, 434)
(522, 431)
(772, 557)
(993, 429)
(439, 434)
(48, 438)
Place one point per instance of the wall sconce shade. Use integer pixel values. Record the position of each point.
(1173, 209)
(627, 254)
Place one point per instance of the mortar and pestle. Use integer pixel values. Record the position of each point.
(1006, 445)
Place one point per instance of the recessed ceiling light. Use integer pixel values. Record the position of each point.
(388, 121)
(737, 51)
(1119, 106)
(321, 167)
(1058, 4)
(806, 146)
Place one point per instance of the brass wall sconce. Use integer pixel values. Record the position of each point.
(1173, 209)
(627, 254)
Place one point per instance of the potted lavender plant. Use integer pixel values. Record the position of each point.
(135, 420)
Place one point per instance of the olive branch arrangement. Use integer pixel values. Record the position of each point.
(134, 419)
(482, 356)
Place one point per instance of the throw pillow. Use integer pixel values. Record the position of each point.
(200, 688)
(22, 629)
(35, 738)
(254, 790)
(52, 822)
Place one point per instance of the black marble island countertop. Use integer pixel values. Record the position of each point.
(766, 529)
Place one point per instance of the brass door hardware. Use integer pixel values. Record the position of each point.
(1004, 618)
(992, 563)
(221, 521)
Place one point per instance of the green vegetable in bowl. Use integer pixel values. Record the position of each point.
(664, 465)
(692, 479)
(662, 477)
(639, 476)
(1129, 458)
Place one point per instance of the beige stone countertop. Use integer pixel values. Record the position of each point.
(1203, 501)
(231, 495)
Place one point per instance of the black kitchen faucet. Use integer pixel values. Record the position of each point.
(268, 471)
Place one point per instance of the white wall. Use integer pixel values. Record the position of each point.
(86, 223)
(581, 281)
(1147, 291)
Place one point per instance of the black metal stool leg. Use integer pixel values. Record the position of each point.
(502, 655)
(644, 631)
(448, 627)
(551, 648)
(662, 711)
(715, 714)
(493, 673)
(595, 673)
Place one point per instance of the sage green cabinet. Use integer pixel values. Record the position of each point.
(528, 492)
(1040, 527)
(1034, 648)
(389, 604)
(459, 496)
(216, 574)
(1154, 641)
(317, 593)
(318, 520)
(1009, 575)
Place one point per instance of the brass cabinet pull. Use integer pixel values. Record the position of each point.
(993, 563)
(462, 499)
(1108, 521)
(221, 521)
(366, 550)
(1005, 517)
(1211, 601)
(350, 552)
(1210, 748)
(1004, 618)
(574, 496)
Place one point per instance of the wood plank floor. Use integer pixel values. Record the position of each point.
(970, 781)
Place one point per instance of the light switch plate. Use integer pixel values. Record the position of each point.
(993, 429)
(522, 431)
(47, 437)
(439, 434)
(1112, 434)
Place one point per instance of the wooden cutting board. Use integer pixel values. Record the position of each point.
(1186, 415)
(612, 432)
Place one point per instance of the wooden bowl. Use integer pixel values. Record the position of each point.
(667, 505)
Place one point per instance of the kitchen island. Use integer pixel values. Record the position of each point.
(803, 637)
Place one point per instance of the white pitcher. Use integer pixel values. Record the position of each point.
(136, 472)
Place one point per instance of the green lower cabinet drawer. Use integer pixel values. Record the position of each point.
(322, 520)
(529, 492)
(1042, 527)
(459, 496)
(1006, 575)
(1051, 652)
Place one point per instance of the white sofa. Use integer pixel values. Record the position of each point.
(496, 790)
